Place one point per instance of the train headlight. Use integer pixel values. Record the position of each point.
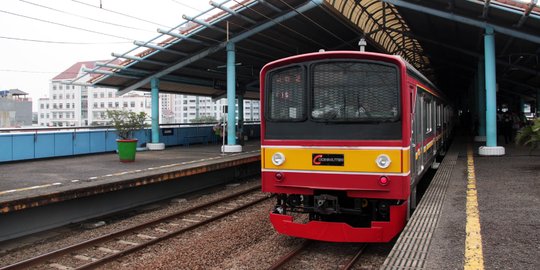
(383, 161)
(278, 159)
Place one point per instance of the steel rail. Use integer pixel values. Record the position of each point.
(352, 262)
(283, 260)
(287, 257)
(69, 249)
(122, 253)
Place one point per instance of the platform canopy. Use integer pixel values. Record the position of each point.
(451, 33)
(442, 39)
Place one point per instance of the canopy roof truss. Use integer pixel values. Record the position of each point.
(441, 38)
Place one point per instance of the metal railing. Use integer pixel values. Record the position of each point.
(46, 142)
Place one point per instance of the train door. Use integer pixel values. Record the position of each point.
(429, 130)
(416, 148)
(412, 146)
(419, 131)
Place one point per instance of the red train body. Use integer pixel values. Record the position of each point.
(345, 138)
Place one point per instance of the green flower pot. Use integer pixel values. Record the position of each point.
(127, 149)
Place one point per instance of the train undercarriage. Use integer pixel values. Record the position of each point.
(332, 216)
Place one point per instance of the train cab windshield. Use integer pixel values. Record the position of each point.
(353, 91)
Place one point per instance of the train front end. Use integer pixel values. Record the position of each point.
(335, 147)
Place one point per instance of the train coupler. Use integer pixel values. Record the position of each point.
(326, 204)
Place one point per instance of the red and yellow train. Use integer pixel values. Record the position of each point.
(345, 138)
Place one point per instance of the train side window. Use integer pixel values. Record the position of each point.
(429, 116)
(437, 115)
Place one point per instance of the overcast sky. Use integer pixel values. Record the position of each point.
(30, 65)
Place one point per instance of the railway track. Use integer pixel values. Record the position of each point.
(115, 245)
(302, 251)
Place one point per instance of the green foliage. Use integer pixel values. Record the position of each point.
(204, 119)
(529, 135)
(126, 122)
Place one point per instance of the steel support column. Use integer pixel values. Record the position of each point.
(155, 109)
(155, 145)
(491, 148)
(231, 101)
(231, 93)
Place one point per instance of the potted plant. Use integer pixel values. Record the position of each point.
(126, 122)
(529, 135)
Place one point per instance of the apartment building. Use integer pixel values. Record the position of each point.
(81, 105)
(188, 108)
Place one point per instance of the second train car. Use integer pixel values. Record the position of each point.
(345, 138)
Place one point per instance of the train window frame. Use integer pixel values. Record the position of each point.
(268, 93)
(429, 115)
(310, 87)
(439, 115)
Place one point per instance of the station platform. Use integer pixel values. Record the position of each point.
(478, 213)
(39, 195)
(28, 184)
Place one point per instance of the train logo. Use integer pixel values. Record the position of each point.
(327, 160)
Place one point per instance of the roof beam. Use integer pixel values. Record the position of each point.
(465, 20)
(139, 71)
(180, 36)
(110, 65)
(486, 9)
(203, 23)
(138, 59)
(474, 54)
(195, 57)
(526, 13)
(264, 2)
(156, 47)
(109, 73)
(126, 69)
(232, 12)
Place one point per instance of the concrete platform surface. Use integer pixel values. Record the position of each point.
(479, 212)
(22, 180)
(508, 196)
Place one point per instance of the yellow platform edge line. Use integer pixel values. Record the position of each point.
(474, 258)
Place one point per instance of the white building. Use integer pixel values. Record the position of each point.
(188, 108)
(252, 110)
(79, 105)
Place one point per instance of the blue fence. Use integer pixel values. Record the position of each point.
(46, 144)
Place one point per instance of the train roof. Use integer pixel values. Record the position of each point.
(416, 73)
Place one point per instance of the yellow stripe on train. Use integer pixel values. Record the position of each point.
(354, 160)
(429, 145)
